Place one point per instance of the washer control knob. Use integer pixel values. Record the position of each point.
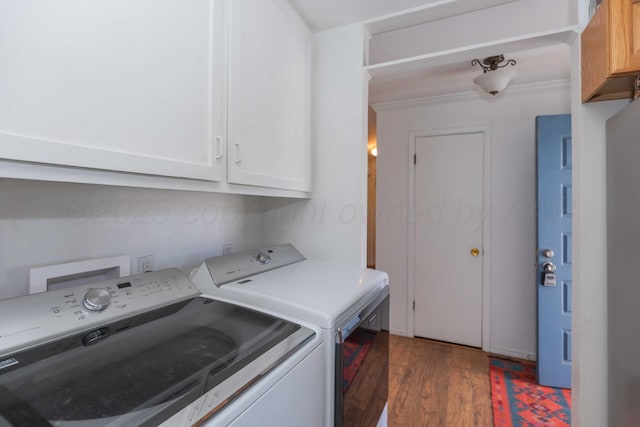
(97, 299)
(263, 258)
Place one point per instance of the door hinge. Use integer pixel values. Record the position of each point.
(414, 305)
(414, 158)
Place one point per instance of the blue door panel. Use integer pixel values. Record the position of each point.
(554, 191)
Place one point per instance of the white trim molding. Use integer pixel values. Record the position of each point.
(465, 96)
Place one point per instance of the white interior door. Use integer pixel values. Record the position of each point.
(448, 220)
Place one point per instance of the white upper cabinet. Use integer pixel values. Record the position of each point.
(140, 88)
(116, 85)
(269, 95)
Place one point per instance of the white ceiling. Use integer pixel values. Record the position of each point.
(533, 66)
(324, 14)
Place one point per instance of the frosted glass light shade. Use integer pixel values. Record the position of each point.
(494, 82)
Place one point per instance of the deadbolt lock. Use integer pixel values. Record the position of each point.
(548, 253)
(475, 252)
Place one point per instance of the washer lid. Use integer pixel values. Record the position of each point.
(147, 367)
(319, 292)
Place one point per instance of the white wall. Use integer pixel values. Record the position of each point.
(589, 376)
(513, 227)
(332, 225)
(44, 223)
(589, 369)
(590, 341)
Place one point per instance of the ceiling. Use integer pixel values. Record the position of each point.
(546, 64)
(324, 14)
(534, 65)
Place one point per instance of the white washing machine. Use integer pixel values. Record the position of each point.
(348, 303)
(150, 350)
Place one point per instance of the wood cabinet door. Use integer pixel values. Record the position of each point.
(269, 95)
(114, 85)
(624, 21)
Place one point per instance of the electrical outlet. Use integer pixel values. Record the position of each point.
(226, 249)
(145, 263)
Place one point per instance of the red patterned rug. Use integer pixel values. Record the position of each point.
(519, 402)
(356, 347)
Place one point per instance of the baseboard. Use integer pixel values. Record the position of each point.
(513, 353)
(401, 332)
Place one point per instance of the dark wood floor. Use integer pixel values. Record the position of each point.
(437, 384)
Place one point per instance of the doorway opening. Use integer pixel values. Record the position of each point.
(372, 153)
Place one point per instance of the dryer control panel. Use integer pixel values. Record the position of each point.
(36, 318)
(233, 267)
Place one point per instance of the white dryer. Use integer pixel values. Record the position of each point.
(350, 305)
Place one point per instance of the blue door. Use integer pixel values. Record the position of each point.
(553, 140)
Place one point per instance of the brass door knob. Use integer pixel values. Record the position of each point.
(475, 252)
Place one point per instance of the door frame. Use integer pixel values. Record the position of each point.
(486, 229)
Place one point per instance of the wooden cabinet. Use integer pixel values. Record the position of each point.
(156, 88)
(611, 51)
(269, 95)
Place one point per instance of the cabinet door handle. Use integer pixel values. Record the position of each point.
(218, 147)
(238, 158)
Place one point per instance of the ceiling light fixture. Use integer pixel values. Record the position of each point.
(494, 79)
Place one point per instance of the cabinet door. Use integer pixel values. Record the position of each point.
(120, 85)
(624, 23)
(269, 85)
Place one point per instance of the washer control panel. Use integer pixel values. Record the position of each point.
(232, 267)
(97, 299)
(33, 319)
